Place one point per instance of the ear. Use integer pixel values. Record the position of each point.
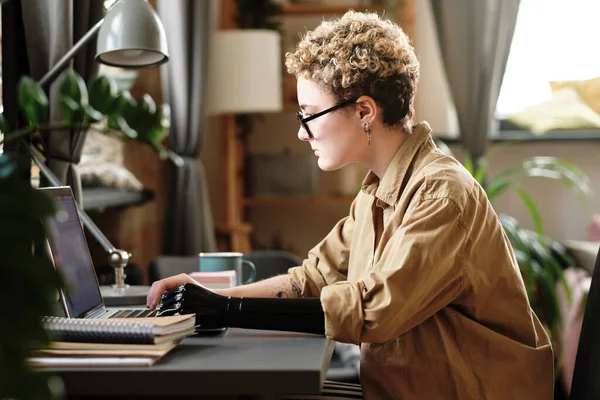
(366, 109)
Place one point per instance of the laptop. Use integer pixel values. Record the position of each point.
(68, 251)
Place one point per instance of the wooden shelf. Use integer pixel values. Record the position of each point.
(319, 8)
(297, 201)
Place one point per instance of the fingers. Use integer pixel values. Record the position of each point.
(159, 287)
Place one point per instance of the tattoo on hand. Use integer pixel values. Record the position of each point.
(296, 288)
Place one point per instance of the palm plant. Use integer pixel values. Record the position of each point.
(29, 282)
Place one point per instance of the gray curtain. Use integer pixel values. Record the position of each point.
(51, 29)
(474, 38)
(190, 227)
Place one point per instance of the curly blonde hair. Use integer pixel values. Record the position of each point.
(361, 54)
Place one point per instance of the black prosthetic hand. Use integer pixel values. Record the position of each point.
(216, 311)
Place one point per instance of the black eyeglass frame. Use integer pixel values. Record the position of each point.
(304, 121)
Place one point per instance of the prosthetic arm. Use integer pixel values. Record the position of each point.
(216, 311)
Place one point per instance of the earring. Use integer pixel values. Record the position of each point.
(367, 130)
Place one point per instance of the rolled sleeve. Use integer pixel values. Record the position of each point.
(344, 316)
(308, 280)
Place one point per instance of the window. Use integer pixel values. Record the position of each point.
(554, 40)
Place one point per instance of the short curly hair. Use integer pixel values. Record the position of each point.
(361, 54)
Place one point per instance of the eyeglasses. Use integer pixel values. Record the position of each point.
(304, 121)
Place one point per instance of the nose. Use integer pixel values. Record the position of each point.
(302, 134)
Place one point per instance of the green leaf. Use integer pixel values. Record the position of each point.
(533, 211)
(118, 123)
(496, 187)
(148, 105)
(562, 254)
(73, 86)
(102, 93)
(481, 169)
(32, 101)
(144, 119)
(123, 101)
(70, 110)
(551, 168)
(526, 266)
(126, 107)
(73, 96)
(159, 130)
(547, 291)
(548, 262)
(92, 114)
(469, 164)
(165, 116)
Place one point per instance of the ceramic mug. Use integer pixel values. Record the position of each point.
(225, 261)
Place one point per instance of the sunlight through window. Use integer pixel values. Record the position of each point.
(554, 40)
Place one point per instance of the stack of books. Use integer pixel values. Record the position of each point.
(110, 342)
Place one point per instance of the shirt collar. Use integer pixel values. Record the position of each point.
(387, 189)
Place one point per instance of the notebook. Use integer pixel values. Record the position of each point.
(121, 331)
(68, 250)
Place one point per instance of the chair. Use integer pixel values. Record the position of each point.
(586, 382)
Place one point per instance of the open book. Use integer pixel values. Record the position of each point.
(119, 330)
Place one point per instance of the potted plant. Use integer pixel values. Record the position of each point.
(30, 283)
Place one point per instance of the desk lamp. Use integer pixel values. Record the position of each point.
(130, 35)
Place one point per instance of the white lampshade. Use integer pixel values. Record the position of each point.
(132, 36)
(244, 72)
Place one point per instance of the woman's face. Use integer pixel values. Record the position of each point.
(338, 136)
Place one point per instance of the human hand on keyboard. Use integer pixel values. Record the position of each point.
(160, 287)
(210, 308)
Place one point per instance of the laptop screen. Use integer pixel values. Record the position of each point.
(71, 254)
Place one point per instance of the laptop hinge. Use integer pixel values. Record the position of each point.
(95, 314)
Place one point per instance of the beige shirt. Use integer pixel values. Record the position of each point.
(422, 276)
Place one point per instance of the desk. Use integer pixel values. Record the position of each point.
(242, 364)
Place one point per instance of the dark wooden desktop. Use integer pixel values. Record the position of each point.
(242, 364)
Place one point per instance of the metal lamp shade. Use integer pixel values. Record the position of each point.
(132, 36)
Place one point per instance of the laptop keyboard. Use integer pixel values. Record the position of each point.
(134, 313)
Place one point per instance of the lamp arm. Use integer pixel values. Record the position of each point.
(117, 258)
(62, 64)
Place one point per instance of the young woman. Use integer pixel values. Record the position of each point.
(420, 273)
